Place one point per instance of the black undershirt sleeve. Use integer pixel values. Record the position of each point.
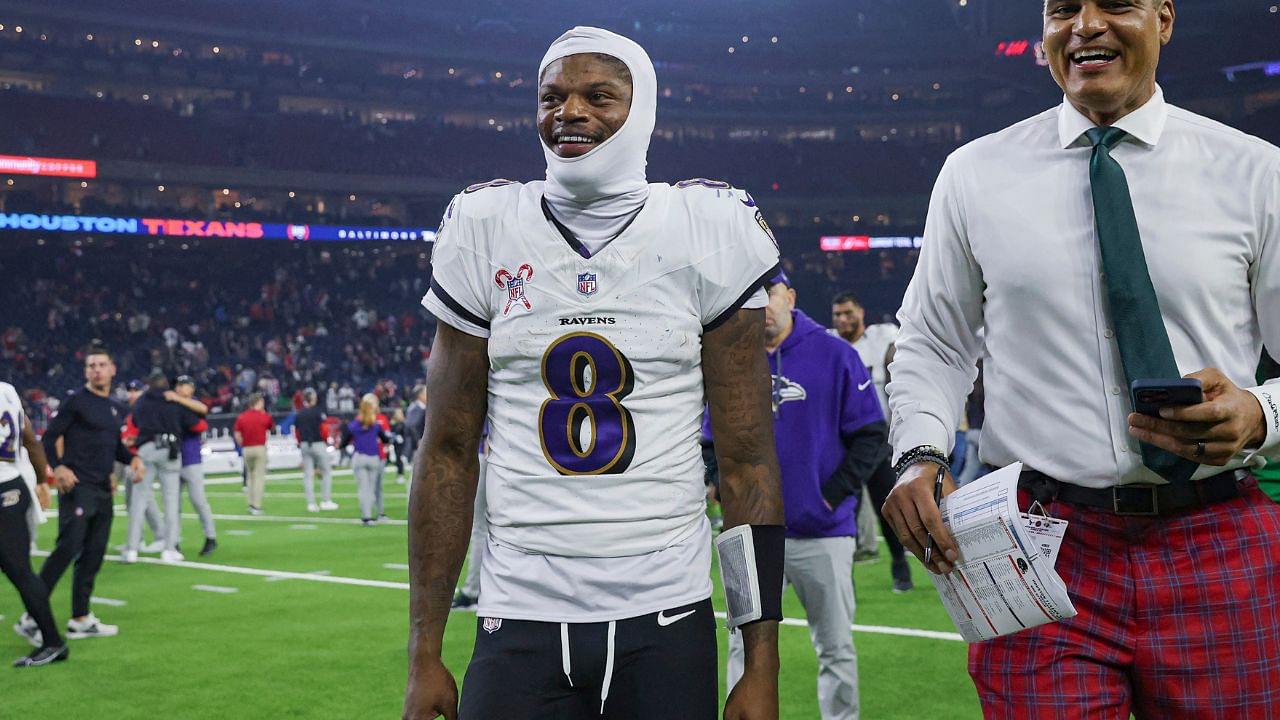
(865, 449)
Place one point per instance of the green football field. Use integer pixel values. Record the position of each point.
(301, 615)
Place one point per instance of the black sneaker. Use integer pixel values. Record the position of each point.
(209, 546)
(463, 601)
(901, 572)
(43, 656)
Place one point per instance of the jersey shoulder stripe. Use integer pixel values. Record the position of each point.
(484, 200)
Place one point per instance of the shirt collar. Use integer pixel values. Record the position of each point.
(1146, 124)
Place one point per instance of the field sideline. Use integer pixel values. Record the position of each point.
(302, 615)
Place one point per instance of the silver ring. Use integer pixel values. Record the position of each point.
(1199, 449)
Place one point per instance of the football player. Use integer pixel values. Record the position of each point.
(16, 499)
(587, 317)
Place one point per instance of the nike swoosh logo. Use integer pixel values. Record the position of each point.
(665, 620)
(864, 385)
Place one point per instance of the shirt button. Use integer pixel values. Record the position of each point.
(1115, 391)
(1124, 449)
(1108, 333)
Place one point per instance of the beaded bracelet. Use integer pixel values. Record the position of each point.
(919, 454)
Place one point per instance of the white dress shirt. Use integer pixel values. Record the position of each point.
(1010, 245)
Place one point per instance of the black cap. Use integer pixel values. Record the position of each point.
(185, 380)
(134, 385)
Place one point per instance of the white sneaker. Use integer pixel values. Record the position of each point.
(171, 556)
(29, 631)
(328, 505)
(129, 557)
(153, 547)
(90, 627)
(312, 507)
(255, 511)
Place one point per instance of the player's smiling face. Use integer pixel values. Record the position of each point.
(1103, 53)
(582, 101)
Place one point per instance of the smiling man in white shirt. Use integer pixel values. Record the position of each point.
(1111, 239)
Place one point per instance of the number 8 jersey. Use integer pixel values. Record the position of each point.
(594, 483)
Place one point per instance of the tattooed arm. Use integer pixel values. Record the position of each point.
(736, 375)
(441, 502)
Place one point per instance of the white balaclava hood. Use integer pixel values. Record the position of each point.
(595, 194)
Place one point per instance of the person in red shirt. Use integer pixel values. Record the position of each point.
(251, 430)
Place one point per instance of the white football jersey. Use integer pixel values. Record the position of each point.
(10, 432)
(872, 347)
(595, 385)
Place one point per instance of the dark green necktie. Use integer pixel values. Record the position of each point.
(1144, 345)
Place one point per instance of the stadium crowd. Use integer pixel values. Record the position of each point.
(269, 317)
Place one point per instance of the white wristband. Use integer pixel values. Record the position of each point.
(1269, 398)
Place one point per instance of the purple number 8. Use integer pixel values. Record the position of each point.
(587, 378)
(9, 432)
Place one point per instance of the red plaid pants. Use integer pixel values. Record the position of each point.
(1179, 617)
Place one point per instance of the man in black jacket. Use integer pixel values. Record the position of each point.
(161, 422)
(308, 428)
(88, 423)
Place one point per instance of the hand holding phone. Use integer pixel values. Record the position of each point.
(1150, 395)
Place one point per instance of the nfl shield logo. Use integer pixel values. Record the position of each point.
(491, 625)
(586, 284)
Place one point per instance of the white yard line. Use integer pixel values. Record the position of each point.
(271, 477)
(362, 582)
(395, 566)
(120, 512)
(269, 494)
(313, 572)
(110, 602)
(216, 589)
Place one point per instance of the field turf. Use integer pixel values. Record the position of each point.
(230, 636)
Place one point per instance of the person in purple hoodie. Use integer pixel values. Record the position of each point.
(831, 435)
(367, 437)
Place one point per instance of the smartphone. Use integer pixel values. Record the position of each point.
(1149, 395)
